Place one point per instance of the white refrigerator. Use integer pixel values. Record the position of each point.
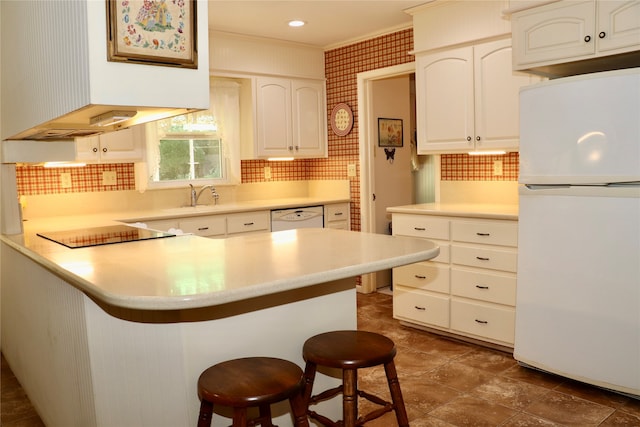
(578, 288)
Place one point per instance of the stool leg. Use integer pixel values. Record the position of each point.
(396, 394)
(299, 410)
(206, 412)
(309, 377)
(265, 416)
(239, 417)
(350, 397)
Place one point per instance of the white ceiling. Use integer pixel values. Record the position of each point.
(329, 23)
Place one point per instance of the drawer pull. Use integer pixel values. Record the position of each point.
(483, 234)
(203, 228)
(419, 228)
(417, 276)
(420, 308)
(482, 287)
(482, 258)
(484, 322)
(338, 213)
(248, 223)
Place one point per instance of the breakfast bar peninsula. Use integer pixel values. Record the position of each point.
(117, 335)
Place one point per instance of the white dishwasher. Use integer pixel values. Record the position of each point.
(303, 217)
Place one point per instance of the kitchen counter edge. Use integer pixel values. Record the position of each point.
(482, 211)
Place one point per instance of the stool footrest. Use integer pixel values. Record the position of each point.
(328, 394)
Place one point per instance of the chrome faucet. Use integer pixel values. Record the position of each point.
(196, 195)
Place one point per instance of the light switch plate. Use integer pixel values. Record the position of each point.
(109, 178)
(65, 180)
(497, 167)
(267, 172)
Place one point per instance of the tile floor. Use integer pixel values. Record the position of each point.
(445, 383)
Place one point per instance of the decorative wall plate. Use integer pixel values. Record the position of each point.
(341, 119)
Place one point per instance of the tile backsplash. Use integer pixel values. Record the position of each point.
(463, 167)
(35, 180)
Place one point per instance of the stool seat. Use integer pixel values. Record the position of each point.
(251, 382)
(350, 351)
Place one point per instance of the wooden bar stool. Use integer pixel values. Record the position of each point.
(350, 351)
(251, 382)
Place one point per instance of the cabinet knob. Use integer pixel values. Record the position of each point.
(602, 34)
(468, 138)
(587, 39)
(477, 138)
(104, 150)
(95, 149)
(297, 148)
(291, 148)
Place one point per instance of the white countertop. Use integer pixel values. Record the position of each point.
(226, 208)
(189, 272)
(487, 211)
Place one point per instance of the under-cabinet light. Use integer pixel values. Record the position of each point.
(296, 23)
(111, 117)
(279, 159)
(487, 153)
(63, 165)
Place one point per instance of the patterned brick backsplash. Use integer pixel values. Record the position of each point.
(34, 180)
(463, 167)
(342, 66)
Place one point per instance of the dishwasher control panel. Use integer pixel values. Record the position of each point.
(303, 217)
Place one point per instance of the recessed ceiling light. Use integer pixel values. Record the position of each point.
(296, 23)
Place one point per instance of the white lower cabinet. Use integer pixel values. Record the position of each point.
(248, 222)
(468, 290)
(337, 216)
(206, 226)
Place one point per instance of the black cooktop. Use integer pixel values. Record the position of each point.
(96, 236)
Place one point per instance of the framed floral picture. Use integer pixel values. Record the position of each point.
(154, 32)
(389, 132)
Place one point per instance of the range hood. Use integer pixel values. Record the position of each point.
(94, 120)
(57, 81)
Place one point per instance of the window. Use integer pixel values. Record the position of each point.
(197, 148)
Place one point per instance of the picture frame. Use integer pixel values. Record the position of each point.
(153, 32)
(390, 132)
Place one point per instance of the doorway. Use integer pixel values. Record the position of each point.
(389, 176)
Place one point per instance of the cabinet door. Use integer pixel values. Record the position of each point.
(122, 145)
(497, 95)
(273, 117)
(558, 31)
(618, 27)
(88, 149)
(444, 86)
(309, 119)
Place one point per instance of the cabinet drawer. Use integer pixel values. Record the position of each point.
(204, 225)
(492, 287)
(430, 309)
(337, 225)
(423, 275)
(475, 256)
(483, 320)
(490, 233)
(337, 212)
(420, 226)
(246, 222)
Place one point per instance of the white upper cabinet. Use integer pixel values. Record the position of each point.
(570, 31)
(290, 117)
(467, 99)
(114, 147)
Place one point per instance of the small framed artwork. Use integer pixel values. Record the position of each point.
(153, 32)
(389, 132)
